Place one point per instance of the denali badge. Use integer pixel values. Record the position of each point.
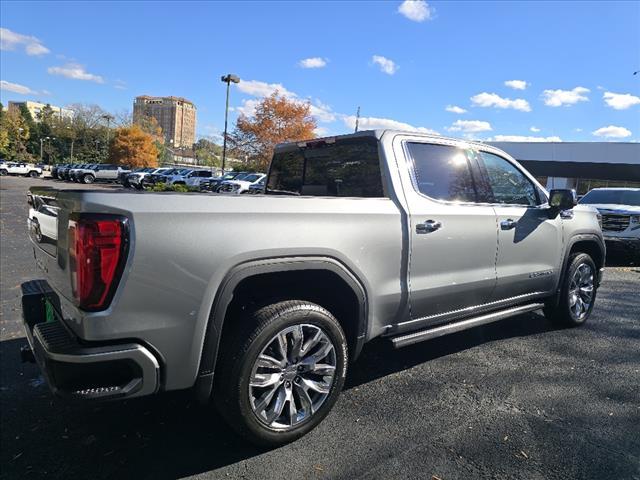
(540, 274)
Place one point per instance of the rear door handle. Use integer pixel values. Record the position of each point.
(508, 224)
(428, 226)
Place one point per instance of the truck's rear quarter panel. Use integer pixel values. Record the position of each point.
(182, 246)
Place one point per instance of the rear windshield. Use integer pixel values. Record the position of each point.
(348, 167)
(619, 197)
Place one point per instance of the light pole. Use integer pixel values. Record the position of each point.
(227, 79)
(73, 139)
(108, 118)
(41, 141)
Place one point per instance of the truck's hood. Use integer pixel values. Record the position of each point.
(615, 208)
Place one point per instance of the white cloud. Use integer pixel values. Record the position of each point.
(386, 65)
(485, 99)
(578, 130)
(10, 40)
(534, 129)
(75, 71)
(612, 132)
(322, 112)
(470, 126)
(120, 85)
(248, 107)
(522, 138)
(313, 62)
(416, 10)
(516, 84)
(620, 101)
(257, 88)
(559, 98)
(455, 109)
(16, 88)
(372, 123)
(321, 131)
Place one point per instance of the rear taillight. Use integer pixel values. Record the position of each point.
(98, 247)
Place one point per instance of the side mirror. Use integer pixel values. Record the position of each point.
(563, 199)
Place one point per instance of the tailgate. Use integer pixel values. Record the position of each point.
(48, 222)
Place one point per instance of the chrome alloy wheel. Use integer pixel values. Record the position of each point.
(292, 377)
(581, 291)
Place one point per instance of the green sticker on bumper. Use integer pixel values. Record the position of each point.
(49, 313)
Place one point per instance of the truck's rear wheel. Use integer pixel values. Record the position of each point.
(33, 173)
(281, 372)
(88, 178)
(577, 292)
(4, 172)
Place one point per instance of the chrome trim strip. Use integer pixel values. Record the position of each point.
(404, 340)
(473, 309)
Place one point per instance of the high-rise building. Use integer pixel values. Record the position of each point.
(35, 108)
(175, 115)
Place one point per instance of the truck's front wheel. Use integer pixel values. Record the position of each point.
(281, 371)
(577, 292)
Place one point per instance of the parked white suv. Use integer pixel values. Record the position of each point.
(196, 177)
(241, 184)
(25, 169)
(134, 179)
(620, 211)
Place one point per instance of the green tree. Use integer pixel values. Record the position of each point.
(208, 153)
(16, 133)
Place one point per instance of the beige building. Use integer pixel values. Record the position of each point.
(175, 115)
(35, 108)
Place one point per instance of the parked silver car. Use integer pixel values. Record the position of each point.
(103, 173)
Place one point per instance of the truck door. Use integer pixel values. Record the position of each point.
(529, 238)
(453, 237)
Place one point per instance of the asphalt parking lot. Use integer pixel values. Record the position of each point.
(515, 399)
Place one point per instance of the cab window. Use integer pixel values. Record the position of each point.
(443, 172)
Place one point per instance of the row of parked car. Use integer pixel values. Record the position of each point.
(146, 178)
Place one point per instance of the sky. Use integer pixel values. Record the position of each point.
(538, 71)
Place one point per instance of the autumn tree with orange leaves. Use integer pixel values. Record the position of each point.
(134, 147)
(277, 119)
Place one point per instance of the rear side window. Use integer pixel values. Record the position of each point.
(443, 172)
(344, 168)
(508, 184)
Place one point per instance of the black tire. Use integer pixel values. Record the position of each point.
(3, 172)
(33, 174)
(560, 310)
(242, 346)
(88, 178)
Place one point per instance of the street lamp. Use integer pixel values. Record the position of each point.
(227, 79)
(73, 139)
(41, 141)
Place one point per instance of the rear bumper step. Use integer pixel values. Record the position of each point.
(430, 333)
(81, 370)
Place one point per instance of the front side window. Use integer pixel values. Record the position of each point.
(443, 172)
(508, 184)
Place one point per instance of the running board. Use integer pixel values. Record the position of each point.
(428, 334)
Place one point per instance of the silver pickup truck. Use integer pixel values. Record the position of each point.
(259, 302)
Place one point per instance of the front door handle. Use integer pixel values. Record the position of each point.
(428, 226)
(508, 224)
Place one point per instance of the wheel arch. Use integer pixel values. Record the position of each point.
(587, 243)
(243, 276)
